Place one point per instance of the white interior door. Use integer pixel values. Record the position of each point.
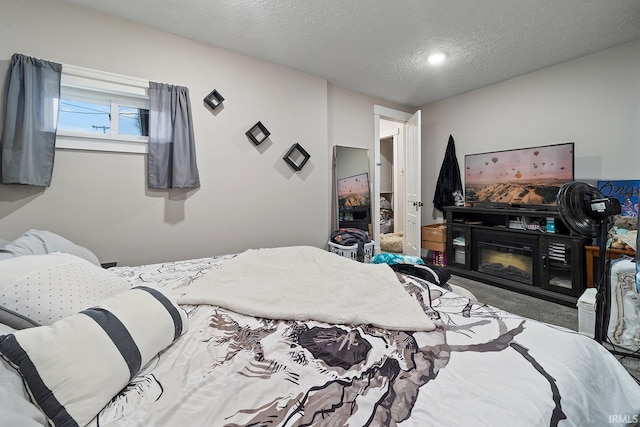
(406, 121)
(413, 211)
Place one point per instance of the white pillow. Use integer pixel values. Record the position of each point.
(15, 407)
(40, 289)
(41, 242)
(74, 367)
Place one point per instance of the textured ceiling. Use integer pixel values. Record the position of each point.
(379, 47)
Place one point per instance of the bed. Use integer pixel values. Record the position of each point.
(285, 337)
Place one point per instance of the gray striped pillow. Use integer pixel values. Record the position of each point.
(75, 366)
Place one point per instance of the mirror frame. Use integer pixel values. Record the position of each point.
(355, 170)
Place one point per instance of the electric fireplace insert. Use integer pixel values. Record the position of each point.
(506, 256)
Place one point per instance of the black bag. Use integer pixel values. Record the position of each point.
(350, 237)
(431, 273)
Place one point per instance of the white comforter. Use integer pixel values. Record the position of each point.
(319, 286)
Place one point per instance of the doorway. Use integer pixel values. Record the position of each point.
(391, 217)
(397, 178)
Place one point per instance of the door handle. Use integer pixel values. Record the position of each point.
(418, 204)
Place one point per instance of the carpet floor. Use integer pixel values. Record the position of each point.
(534, 308)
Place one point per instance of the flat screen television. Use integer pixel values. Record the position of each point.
(522, 177)
(353, 191)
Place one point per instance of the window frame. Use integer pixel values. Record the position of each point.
(118, 90)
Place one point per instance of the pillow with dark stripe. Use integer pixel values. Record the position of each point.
(75, 366)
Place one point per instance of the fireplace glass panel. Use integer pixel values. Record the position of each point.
(559, 265)
(459, 246)
(507, 260)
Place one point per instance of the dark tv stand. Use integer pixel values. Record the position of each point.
(356, 217)
(510, 247)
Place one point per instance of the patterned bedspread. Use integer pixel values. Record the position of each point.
(480, 367)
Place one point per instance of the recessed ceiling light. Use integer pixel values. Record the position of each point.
(437, 58)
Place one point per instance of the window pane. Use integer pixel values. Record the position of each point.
(82, 116)
(133, 121)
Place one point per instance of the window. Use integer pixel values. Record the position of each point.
(102, 111)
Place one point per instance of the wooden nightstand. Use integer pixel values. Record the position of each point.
(592, 252)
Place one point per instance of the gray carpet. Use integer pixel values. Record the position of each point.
(533, 308)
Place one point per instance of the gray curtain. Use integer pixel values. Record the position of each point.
(172, 152)
(32, 95)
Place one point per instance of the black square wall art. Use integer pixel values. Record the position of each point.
(214, 99)
(258, 133)
(297, 157)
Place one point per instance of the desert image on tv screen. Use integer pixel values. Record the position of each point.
(354, 191)
(522, 176)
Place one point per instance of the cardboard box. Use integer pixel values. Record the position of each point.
(434, 237)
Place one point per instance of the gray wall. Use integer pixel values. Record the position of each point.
(593, 101)
(249, 197)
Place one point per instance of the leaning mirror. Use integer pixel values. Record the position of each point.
(352, 188)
